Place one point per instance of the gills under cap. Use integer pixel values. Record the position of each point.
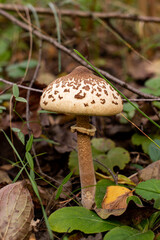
(81, 93)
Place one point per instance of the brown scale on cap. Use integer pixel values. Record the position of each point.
(87, 88)
(50, 96)
(98, 95)
(79, 96)
(45, 103)
(60, 97)
(44, 95)
(116, 103)
(114, 96)
(112, 89)
(66, 90)
(99, 89)
(102, 101)
(86, 104)
(105, 92)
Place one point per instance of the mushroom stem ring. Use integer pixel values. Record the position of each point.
(90, 132)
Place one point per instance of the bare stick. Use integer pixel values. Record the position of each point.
(40, 91)
(84, 14)
(20, 86)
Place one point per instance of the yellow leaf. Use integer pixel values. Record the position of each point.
(115, 197)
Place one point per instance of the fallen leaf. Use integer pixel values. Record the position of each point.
(114, 201)
(16, 211)
(115, 197)
(152, 171)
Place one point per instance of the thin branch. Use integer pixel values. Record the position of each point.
(20, 86)
(115, 177)
(40, 91)
(73, 55)
(84, 14)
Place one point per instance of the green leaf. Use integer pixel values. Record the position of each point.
(102, 144)
(135, 199)
(45, 111)
(46, 140)
(29, 143)
(155, 92)
(3, 46)
(138, 140)
(32, 64)
(154, 218)
(5, 97)
(154, 151)
(79, 218)
(15, 90)
(65, 180)
(32, 174)
(127, 107)
(29, 159)
(116, 157)
(153, 83)
(125, 232)
(101, 190)
(156, 104)
(149, 189)
(16, 130)
(157, 203)
(21, 137)
(2, 108)
(21, 99)
(17, 70)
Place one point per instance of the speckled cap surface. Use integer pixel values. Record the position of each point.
(81, 93)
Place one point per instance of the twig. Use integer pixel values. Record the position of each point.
(84, 14)
(20, 86)
(73, 55)
(115, 177)
(40, 91)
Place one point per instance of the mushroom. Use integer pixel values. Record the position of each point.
(83, 94)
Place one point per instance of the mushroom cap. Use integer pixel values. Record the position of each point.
(81, 93)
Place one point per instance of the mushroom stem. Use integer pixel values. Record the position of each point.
(86, 167)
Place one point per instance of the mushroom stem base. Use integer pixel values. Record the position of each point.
(86, 167)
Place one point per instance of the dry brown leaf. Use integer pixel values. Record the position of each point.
(152, 171)
(149, 172)
(16, 211)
